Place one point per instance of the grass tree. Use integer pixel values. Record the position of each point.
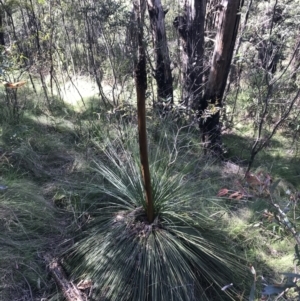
(182, 255)
(151, 238)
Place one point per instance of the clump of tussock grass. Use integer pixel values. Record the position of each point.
(30, 225)
(184, 254)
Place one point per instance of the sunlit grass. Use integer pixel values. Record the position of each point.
(107, 206)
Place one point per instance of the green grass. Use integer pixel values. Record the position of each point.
(280, 157)
(32, 157)
(29, 226)
(75, 177)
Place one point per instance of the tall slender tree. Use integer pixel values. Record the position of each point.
(190, 27)
(163, 73)
(211, 103)
(2, 40)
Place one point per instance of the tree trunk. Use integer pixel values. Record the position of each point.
(211, 104)
(163, 73)
(211, 19)
(190, 28)
(2, 40)
(141, 87)
(296, 60)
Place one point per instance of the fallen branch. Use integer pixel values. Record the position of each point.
(69, 290)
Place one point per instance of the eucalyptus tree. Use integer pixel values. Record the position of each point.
(190, 27)
(210, 105)
(198, 93)
(60, 41)
(162, 72)
(2, 40)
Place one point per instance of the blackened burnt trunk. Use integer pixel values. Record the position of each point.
(163, 73)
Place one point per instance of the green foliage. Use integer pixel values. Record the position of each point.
(186, 254)
(183, 255)
(28, 227)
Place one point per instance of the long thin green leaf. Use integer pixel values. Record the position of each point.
(252, 292)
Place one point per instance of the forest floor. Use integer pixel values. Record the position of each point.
(45, 154)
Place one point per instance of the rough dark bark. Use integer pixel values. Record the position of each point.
(141, 87)
(235, 71)
(209, 110)
(268, 55)
(296, 60)
(2, 40)
(163, 73)
(211, 19)
(180, 25)
(190, 28)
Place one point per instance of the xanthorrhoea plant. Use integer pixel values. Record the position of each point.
(141, 87)
(182, 255)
